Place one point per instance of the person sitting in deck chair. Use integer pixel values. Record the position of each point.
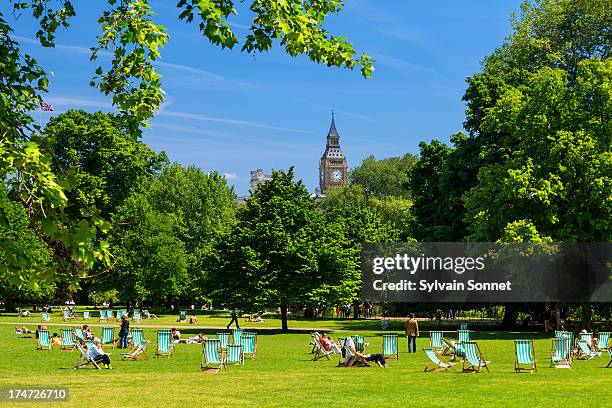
(96, 353)
(87, 334)
(56, 340)
(193, 319)
(328, 343)
(176, 335)
(377, 358)
(197, 339)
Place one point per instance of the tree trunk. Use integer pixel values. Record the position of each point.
(356, 309)
(9, 304)
(510, 314)
(283, 307)
(587, 314)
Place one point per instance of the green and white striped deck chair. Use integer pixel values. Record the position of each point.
(389, 347)
(463, 326)
(67, 315)
(341, 341)
(102, 315)
(224, 339)
(463, 336)
(473, 360)
(108, 335)
(88, 343)
(524, 356)
(585, 352)
(137, 337)
(212, 356)
(588, 337)
(85, 314)
(351, 359)
(164, 343)
(435, 340)
(234, 355)
(118, 314)
(45, 317)
(236, 336)
(44, 340)
(67, 339)
(561, 353)
(138, 353)
(360, 344)
(609, 350)
(439, 362)
(109, 314)
(249, 344)
(182, 316)
(78, 332)
(603, 340)
(136, 316)
(84, 360)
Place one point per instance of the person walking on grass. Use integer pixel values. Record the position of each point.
(412, 332)
(123, 332)
(234, 319)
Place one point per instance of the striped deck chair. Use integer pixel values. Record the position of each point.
(236, 336)
(109, 314)
(78, 332)
(118, 314)
(473, 360)
(319, 350)
(165, 347)
(136, 316)
(44, 340)
(212, 355)
(439, 362)
(312, 343)
(67, 315)
(561, 353)
(102, 315)
(360, 344)
(389, 347)
(588, 337)
(435, 340)
(609, 350)
(342, 360)
(248, 340)
(137, 337)
(585, 352)
(224, 338)
(45, 317)
(84, 359)
(524, 355)
(463, 326)
(85, 314)
(603, 340)
(182, 316)
(353, 360)
(67, 340)
(108, 335)
(139, 353)
(234, 355)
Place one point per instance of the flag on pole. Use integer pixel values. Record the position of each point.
(45, 107)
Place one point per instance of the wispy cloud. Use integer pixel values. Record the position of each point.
(402, 66)
(78, 102)
(205, 118)
(230, 176)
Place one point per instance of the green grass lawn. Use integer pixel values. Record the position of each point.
(283, 375)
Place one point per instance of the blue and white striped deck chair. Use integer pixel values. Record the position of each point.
(137, 337)
(609, 350)
(84, 359)
(524, 356)
(236, 336)
(224, 338)
(136, 316)
(88, 343)
(138, 353)
(67, 339)
(588, 337)
(85, 314)
(561, 353)
(463, 326)
(164, 343)
(603, 340)
(234, 355)
(389, 347)
(109, 314)
(45, 317)
(44, 340)
(473, 360)
(108, 335)
(78, 332)
(212, 356)
(585, 352)
(439, 362)
(67, 315)
(118, 314)
(102, 315)
(249, 344)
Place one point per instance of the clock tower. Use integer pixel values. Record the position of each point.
(333, 167)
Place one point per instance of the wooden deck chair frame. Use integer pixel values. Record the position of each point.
(232, 351)
(393, 356)
(166, 353)
(314, 346)
(105, 330)
(518, 364)
(436, 366)
(244, 339)
(133, 344)
(84, 360)
(204, 363)
(352, 359)
(585, 352)
(67, 337)
(449, 348)
(609, 350)
(555, 359)
(39, 345)
(319, 350)
(139, 353)
(472, 368)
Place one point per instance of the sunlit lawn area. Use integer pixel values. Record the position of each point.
(282, 373)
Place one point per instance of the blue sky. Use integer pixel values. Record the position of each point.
(233, 112)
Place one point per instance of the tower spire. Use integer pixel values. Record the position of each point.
(332, 129)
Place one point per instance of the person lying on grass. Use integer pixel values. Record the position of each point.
(98, 355)
(197, 339)
(377, 358)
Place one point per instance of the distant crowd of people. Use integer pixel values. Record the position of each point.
(365, 310)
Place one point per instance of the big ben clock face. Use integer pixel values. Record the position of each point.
(336, 175)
